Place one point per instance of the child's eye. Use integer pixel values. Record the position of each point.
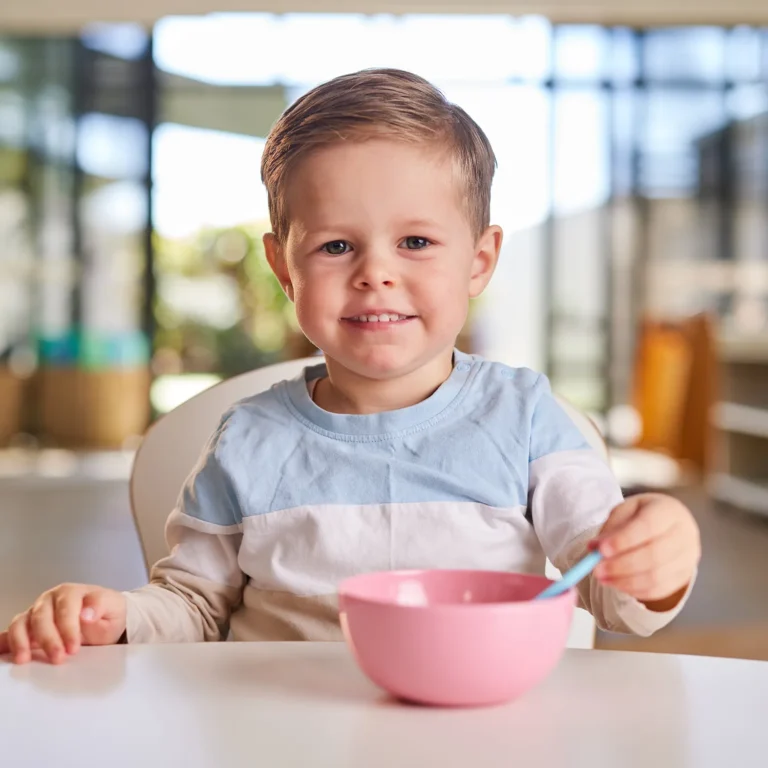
(416, 243)
(336, 247)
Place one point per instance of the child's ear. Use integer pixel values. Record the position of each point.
(484, 262)
(276, 259)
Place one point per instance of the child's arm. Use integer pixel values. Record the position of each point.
(574, 497)
(652, 548)
(194, 590)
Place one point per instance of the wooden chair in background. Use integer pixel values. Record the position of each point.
(675, 388)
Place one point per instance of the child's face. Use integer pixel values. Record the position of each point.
(378, 228)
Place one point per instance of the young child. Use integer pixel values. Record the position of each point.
(400, 451)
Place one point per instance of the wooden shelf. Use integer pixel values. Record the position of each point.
(738, 472)
(750, 495)
(743, 349)
(743, 419)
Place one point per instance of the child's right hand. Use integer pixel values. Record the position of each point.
(64, 618)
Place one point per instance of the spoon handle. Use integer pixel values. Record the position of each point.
(572, 576)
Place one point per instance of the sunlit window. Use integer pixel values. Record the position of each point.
(205, 179)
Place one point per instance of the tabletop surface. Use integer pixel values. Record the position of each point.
(225, 705)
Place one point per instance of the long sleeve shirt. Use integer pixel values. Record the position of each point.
(288, 500)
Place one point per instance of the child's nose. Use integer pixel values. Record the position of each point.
(374, 271)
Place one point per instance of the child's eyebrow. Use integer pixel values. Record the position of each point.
(428, 223)
(323, 229)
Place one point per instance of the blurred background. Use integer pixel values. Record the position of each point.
(632, 188)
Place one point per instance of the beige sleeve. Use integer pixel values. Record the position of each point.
(614, 611)
(571, 494)
(194, 590)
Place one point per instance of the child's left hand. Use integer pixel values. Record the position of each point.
(652, 547)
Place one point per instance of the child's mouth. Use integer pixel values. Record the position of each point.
(377, 322)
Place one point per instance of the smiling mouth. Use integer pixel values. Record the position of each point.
(383, 318)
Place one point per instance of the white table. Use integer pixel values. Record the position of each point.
(262, 705)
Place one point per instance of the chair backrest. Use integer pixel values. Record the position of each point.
(170, 449)
(172, 446)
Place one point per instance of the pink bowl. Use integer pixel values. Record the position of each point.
(454, 638)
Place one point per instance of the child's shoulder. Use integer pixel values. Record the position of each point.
(501, 395)
(513, 381)
(257, 416)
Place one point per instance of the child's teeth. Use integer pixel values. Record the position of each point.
(378, 318)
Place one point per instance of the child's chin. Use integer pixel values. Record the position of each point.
(379, 363)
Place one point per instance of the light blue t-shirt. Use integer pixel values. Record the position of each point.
(289, 499)
(472, 441)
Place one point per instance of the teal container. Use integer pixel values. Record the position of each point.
(95, 352)
(126, 350)
(58, 351)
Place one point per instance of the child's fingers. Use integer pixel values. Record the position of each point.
(647, 557)
(654, 585)
(66, 607)
(18, 639)
(621, 514)
(103, 616)
(648, 522)
(95, 606)
(43, 629)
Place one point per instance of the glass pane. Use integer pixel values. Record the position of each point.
(112, 154)
(581, 52)
(239, 48)
(441, 48)
(219, 309)
(587, 392)
(578, 343)
(750, 161)
(205, 179)
(581, 176)
(581, 152)
(743, 53)
(516, 120)
(12, 118)
(114, 217)
(625, 114)
(675, 121)
(530, 56)
(745, 101)
(520, 191)
(624, 55)
(693, 53)
(764, 57)
(16, 209)
(46, 181)
(123, 41)
(52, 125)
(323, 46)
(10, 63)
(579, 303)
(112, 147)
(578, 271)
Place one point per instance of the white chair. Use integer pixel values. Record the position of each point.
(172, 446)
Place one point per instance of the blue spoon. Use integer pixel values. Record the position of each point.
(572, 576)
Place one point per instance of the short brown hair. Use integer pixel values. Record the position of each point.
(376, 102)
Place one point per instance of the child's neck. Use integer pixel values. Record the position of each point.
(345, 392)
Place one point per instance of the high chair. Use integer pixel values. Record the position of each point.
(172, 446)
